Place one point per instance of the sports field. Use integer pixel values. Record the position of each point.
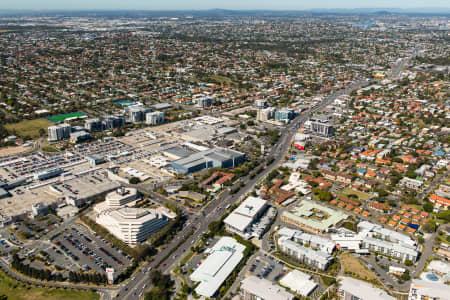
(60, 118)
(29, 127)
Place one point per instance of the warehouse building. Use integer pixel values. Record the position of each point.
(217, 157)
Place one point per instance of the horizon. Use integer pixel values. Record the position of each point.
(202, 5)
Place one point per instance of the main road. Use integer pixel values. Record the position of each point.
(198, 222)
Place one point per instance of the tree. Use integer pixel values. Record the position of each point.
(134, 180)
(430, 226)
(428, 207)
(408, 263)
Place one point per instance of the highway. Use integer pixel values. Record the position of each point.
(199, 223)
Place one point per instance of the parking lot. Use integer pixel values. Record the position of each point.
(90, 251)
(20, 166)
(266, 267)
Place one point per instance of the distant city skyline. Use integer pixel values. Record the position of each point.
(210, 4)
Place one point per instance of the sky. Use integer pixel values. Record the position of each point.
(208, 4)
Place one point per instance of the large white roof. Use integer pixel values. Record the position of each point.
(299, 282)
(241, 217)
(225, 256)
(363, 290)
(265, 289)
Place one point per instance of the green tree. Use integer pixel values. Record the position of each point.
(134, 180)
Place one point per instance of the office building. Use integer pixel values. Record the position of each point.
(79, 136)
(217, 157)
(121, 196)
(92, 125)
(111, 122)
(38, 209)
(260, 103)
(59, 132)
(241, 219)
(131, 225)
(284, 115)
(137, 113)
(253, 288)
(353, 289)
(316, 259)
(299, 282)
(265, 114)
(154, 118)
(223, 257)
(321, 125)
(204, 102)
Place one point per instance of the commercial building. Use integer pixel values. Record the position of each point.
(241, 219)
(284, 115)
(223, 257)
(316, 259)
(353, 289)
(204, 102)
(38, 209)
(79, 136)
(131, 225)
(421, 289)
(154, 118)
(137, 113)
(46, 174)
(321, 125)
(265, 114)
(410, 183)
(299, 282)
(93, 125)
(111, 122)
(121, 196)
(217, 157)
(313, 217)
(59, 132)
(253, 288)
(260, 103)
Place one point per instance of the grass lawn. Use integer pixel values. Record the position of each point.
(348, 191)
(355, 266)
(29, 127)
(15, 290)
